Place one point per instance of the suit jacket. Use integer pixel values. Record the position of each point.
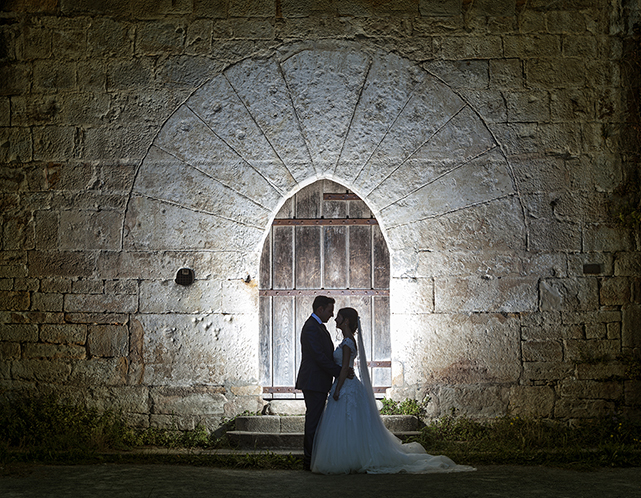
(317, 367)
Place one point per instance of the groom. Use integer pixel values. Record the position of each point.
(317, 369)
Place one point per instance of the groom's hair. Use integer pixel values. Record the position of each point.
(322, 302)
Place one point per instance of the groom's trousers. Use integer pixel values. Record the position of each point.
(314, 406)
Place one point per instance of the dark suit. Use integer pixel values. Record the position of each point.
(315, 377)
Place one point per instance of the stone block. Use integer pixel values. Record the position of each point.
(210, 8)
(415, 295)
(108, 37)
(536, 173)
(30, 317)
(542, 351)
(531, 401)
(506, 294)
(251, 9)
(531, 106)
(129, 74)
(631, 326)
(90, 230)
(197, 400)
(100, 372)
(613, 330)
(569, 294)
(117, 177)
(627, 264)
(46, 302)
(591, 351)
(16, 79)
(529, 47)
(63, 334)
(615, 291)
(596, 331)
(55, 372)
(85, 286)
(633, 392)
(571, 105)
(154, 225)
(506, 73)
(461, 74)
(13, 300)
(239, 296)
(285, 407)
(198, 39)
(439, 8)
(597, 264)
(18, 145)
(46, 230)
(604, 238)
(6, 284)
(128, 399)
(53, 76)
(54, 351)
(549, 332)
(26, 284)
(545, 371)
(583, 408)
(553, 235)
(62, 264)
(187, 71)
(108, 340)
(249, 29)
(563, 22)
(115, 303)
(9, 351)
(547, 73)
(202, 349)
(160, 37)
(467, 47)
(599, 371)
(167, 296)
(475, 401)
(97, 318)
(457, 348)
(590, 389)
(121, 287)
(606, 316)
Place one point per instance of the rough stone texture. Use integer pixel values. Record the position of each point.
(486, 137)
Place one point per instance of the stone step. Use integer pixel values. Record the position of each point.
(283, 441)
(283, 424)
(280, 432)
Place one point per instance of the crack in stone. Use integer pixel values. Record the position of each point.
(262, 131)
(300, 128)
(414, 152)
(195, 210)
(391, 126)
(468, 206)
(232, 148)
(480, 154)
(215, 179)
(351, 120)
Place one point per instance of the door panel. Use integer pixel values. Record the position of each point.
(323, 241)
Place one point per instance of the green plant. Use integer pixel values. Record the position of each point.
(405, 407)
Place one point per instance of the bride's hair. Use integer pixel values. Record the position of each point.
(352, 315)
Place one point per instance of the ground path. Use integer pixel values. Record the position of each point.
(157, 481)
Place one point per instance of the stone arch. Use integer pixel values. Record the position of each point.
(402, 140)
(259, 131)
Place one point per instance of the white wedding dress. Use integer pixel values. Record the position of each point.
(351, 436)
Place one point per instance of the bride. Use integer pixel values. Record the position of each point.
(351, 436)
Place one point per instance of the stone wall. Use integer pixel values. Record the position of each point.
(487, 137)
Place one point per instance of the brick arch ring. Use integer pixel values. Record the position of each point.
(406, 143)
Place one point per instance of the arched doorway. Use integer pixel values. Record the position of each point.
(324, 240)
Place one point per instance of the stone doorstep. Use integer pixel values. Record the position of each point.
(282, 441)
(283, 432)
(273, 424)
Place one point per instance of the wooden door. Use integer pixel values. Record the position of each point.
(325, 241)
